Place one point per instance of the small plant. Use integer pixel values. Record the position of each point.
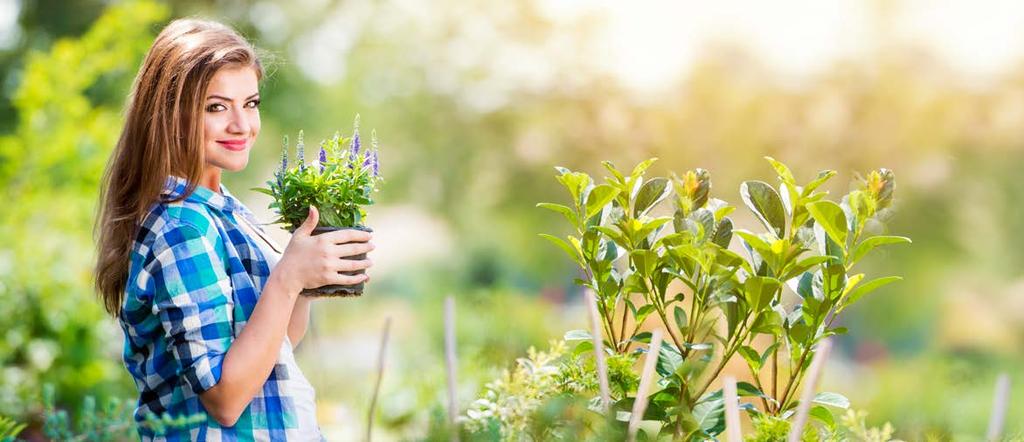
(340, 182)
(9, 429)
(115, 421)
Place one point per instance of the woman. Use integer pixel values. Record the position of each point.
(209, 309)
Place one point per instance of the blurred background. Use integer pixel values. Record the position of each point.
(474, 103)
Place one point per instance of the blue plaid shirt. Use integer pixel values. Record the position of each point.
(193, 282)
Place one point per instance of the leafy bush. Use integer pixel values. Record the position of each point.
(68, 102)
(715, 303)
(339, 183)
(115, 421)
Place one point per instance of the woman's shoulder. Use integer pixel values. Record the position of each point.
(167, 218)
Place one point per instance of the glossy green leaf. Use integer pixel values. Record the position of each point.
(577, 335)
(752, 357)
(680, 317)
(832, 399)
(766, 204)
(869, 287)
(651, 193)
(567, 212)
(823, 415)
(568, 249)
(642, 167)
(831, 218)
(871, 243)
(598, 197)
(759, 291)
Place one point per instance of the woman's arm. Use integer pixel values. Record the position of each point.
(299, 321)
(253, 354)
(308, 261)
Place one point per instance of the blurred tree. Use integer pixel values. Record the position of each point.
(50, 166)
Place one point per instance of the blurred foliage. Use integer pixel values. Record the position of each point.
(479, 99)
(50, 165)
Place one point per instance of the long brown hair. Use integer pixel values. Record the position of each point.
(162, 136)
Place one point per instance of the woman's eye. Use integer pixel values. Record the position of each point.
(253, 104)
(215, 107)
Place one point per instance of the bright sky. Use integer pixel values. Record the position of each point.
(649, 43)
(652, 41)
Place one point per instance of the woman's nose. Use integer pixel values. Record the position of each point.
(239, 123)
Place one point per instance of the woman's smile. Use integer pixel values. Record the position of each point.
(235, 145)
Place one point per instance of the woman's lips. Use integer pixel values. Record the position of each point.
(234, 145)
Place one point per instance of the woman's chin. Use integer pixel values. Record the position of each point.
(235, 166)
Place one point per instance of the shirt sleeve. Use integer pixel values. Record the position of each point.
(192, 297)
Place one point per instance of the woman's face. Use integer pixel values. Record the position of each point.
(231, 117)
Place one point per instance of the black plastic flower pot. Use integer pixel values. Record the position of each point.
(338, 290)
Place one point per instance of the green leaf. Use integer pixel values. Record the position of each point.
(831, 218)
(599, 196)
(869, 287)
(823, 415)
(723, 233)
(746, 389)
(710, 415)
(643, 312)
(645, 261)
(832, 399)
(871, 243)
(782, 171)
(577, 335)
(574, 182)
(263, 191)
(569, 250)
(754, 241)
(822, 177)
(568, 213)
(650, 226)
(766, 204)
(642, 167)
(651, 193)
(680, 317)
(752, 357)
(759, 291)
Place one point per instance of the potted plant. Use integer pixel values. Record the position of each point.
(340, 183)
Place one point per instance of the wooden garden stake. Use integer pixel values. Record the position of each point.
(380, 375)
(595, 333)
(449, 356)
(813, 375)
(732, 410)
(646, 379)
(999, 404)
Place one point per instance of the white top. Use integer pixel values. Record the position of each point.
(299, 388)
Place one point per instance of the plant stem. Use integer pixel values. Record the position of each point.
(757, 382)
(730, 350)
(794, 378)
(775, 374)
(625, 313)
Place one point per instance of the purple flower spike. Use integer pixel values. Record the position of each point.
(355, 139)
(376, 153)
(323, 157)
(284, 160)
(300, 147)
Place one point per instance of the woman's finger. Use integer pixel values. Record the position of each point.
(352, 265)
(343, 279)
(346, 236)
(352, 249)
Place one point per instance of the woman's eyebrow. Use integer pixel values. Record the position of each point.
(221, 97)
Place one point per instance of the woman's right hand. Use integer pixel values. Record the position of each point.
(314, 261)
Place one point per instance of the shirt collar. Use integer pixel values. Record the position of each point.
(176, 186)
